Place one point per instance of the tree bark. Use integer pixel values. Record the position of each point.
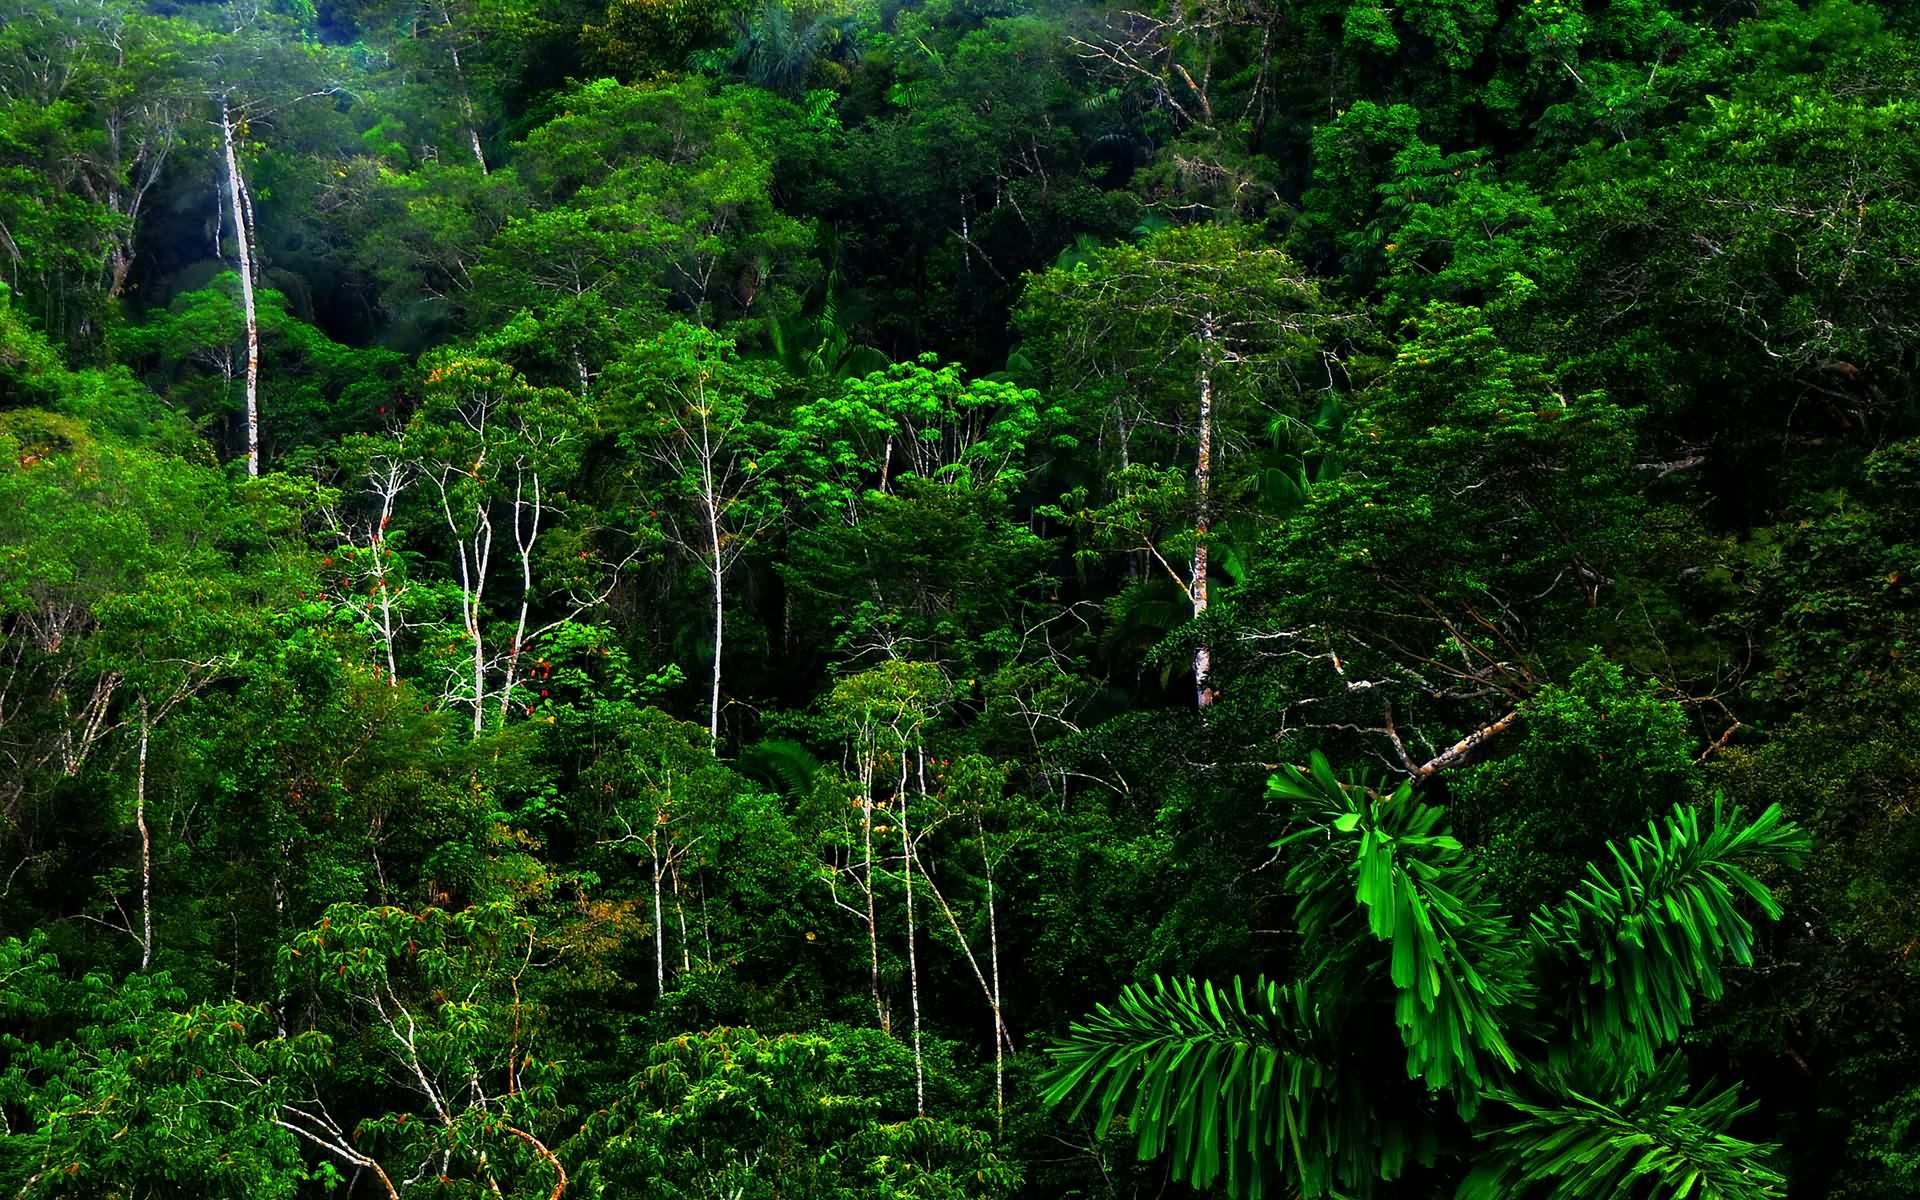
(659, 924)
(146, 840)
(1001, 1037)
(719, 626)
(716, 560)
(464, 91)
(913, 959)
(524, 541)
(1465, 746)
(873, 913)
(1203, 691)
(243, 239)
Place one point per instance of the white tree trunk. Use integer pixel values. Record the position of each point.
(146, 840)
(377, 550)
(1203, 691)
(1001, 1037)
(680, 910)
(719, 626)
(659, 924)
(866, 872)
(243, 239)
(524, 539)
(913, 959)
(461, 87)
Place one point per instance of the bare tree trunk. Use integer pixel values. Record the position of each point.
(146, 840)
(523, 542)
(680, 910)
(465, 93)
(1202, 516)
(716, 567)
(243, 238)
(719, 631)
(1465, 746)
(913, 958)
(377, 550)
(1000, 1035)
(475, 553)
(991, 991)
(472, 615)
(659, 925)
(873, 916)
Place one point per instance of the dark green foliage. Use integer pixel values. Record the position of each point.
(1387, 902)
(798, 540)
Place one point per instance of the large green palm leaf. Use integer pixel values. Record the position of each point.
(1383, 866)
(1244, 1090)
(1234, 1084)
(1656, 1142)
(1643, 943)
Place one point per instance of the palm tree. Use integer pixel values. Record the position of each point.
(777, 44)
(1533, 1059)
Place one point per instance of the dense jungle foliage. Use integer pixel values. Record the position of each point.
(959, 599)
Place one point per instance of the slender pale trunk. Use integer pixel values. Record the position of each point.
(680, 911)
(866, 872)
(524, 543)
(913, 958)
(246, 206)
(474, 559)
(1202, 516)
(716, 569)
(389, 491)
(1000, 1035)
(479, 663)
(659, 926)
(706, 922)
(991, 991)
(146, 840)
(243, 238)
(719, 629)
(464, 91)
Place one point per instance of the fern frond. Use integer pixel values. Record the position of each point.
(1656, 933)
(1657, 1143)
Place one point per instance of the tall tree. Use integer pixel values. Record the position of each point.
(699, 413)
(1175, 333)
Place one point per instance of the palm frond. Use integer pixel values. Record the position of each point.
(1453, 956)
(1655, 934)
(784, 766)
(1224, 1079)
(1657, 1143)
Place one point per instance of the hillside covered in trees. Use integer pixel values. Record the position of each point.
(959, 599)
